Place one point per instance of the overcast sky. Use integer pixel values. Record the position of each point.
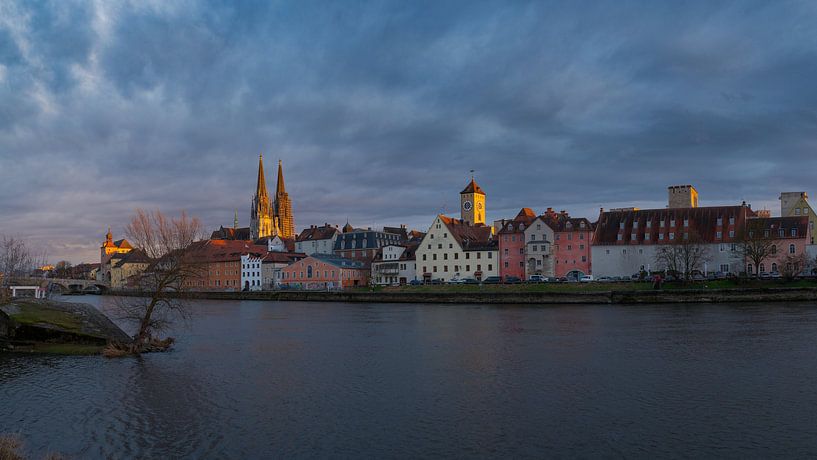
(379, 110)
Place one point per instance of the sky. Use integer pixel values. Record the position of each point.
(379, 110)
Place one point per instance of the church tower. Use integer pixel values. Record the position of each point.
(472, 204)
(261, 213)
(283, 207)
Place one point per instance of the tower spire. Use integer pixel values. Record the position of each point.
(280, 187)
(235, 220)
(261, 189)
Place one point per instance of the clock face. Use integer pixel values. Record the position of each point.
(466, 205)
(479, 205)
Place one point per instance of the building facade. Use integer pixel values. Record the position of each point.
(627, 242)
(325, 271)
(795, 204)
(453, 249)
(317, 240)
(395, 264)
(539, 258)
(790, 237)
(251, 272)
(363, 244)
(572, 244)
(513, 245)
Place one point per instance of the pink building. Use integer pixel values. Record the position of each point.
(571, 246)
(791, 235)
(325, 271)
(512, 253)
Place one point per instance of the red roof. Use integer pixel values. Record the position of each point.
(702, 221)
(472, 187)
(775, 224)
(313, 233)
(210, 251)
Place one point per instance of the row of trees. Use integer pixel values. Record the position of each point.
(687, 256)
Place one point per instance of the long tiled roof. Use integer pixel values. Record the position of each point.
(137, 256)
(338, 261)
(520, 222)
(774, 224)
(230, 233)
(210, 251)
(408, 254)
(702, 221)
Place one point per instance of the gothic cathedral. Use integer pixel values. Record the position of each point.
(271, 218)
(472, 204)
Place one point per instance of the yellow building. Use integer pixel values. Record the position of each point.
(472, 204)
(125, 266)
(109, 249)
(796, 204)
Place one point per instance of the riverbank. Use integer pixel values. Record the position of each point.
(522, 294)
(44, 326)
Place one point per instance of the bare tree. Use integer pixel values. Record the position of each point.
(63, 269)
(168, 243)
(756, 246)
(793, 265)
(683, 256)
(15, 259)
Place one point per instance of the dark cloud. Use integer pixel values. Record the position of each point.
(380, 110)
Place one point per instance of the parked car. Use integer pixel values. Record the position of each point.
(561, 279)
(492, 280)
(512, 280)
(456, 281)
(764, 276)
(437, 281)
(605, 279)
(537, 279)
(586, 279)
(697, 277)
(416, 282)
(469, 281)
(775, 275)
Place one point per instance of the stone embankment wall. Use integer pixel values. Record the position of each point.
(531, 298)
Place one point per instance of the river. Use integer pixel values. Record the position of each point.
(280, 380)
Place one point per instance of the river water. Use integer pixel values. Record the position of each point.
(282, 380)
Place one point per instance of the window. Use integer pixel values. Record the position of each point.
(584, 258)
(649, 224)
(532, 237)
(490, 267)
(535, 248)
(632, 237)
(433, 256)
(635, 224)
(774, 249)
(506, 264)
(774, 267)
(671, 235)
(467, 255)
(434, 269)
(439, 246)
(618, 237)
(445, 268)
(424, 256)
(506, 252)
(805, 211)
(513, 238)
(731, 220)
(661, 223)
(607, 251)
(731, 233)
(521, 251)
(686, 235)
(456, 256)
(569, 247)
(445, 235)
(796, 211)
(792, 249)
(489, 255)
(660, 237)
(581, 246)
(686, 222)
(621, 225)
(720, 221)
(718, 235)
(762, 268)
(724, 268)
(749, 269)
(794, 232)
(581, 236)
(672, 223)
(445, 256)
(468, 268)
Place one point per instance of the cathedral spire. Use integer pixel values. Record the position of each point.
(280, 188)
(261, 189)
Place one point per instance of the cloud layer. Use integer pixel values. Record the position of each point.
(380, 110)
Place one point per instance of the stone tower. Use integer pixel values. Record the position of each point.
(262, 222)
(682, 196)
(283, 207)
(472, 204)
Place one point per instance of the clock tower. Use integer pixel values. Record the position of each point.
(472, 204)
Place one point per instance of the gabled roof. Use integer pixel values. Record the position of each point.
(399, 231)
(408, 254)
(472, 187)
(520, 222)
(209, 251)
(229, 233)
(470, 237)
(313, 233)
(137, 256)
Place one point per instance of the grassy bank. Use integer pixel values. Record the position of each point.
(591, 287)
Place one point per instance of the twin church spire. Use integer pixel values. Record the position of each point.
(271, 217)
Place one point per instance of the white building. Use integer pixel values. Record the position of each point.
(394, 264)
(539, 257)
(627, 242)
(454, 249)
(317, 240)
(251, 274)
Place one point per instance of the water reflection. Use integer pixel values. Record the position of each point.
(262, 379)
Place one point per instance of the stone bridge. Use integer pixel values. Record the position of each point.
(64, 285)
